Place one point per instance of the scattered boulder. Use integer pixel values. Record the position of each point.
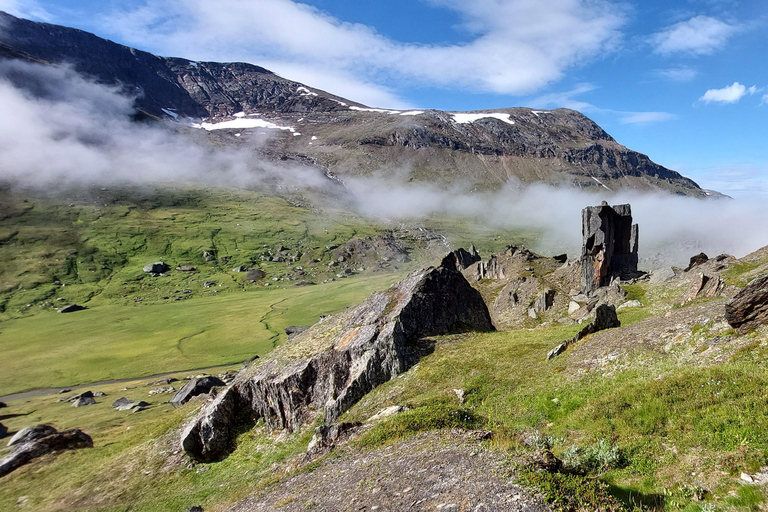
(609, 245)
(630, 304)
(71, 308)
(195, 387)
(386, 413)
(158, 391)
(3, 431)
(120, 402)
(99, 393)
(544, 301)
(662, 275)
(697, 260)
(195, 508)
(338, 360)
(32, 447)
(209, 255)
(294, 330)
(74, 398)
(703, 285)
(186, 268)
(255, 274)
(28, 434)
(123, 404)
(560, 258)
(573, 307)
(604, 317)
(209, 284)
(3, 404)
(749, 308)
(158, 267)
(83, 401)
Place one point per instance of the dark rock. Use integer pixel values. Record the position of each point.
(71, 308)
(195, 387)
(3, 431)
(27, 434)
(604, 317)
(560, 258)
(83, 401)
(65, 390)
(697, 260)
(209, 255)
(31, 448)
(255, 275)
(209, 284)
(294, 330)
(460, 259)
(196, 508)
(544, 301)
(749, 308)
(337, 361)
(121, 402)
(609, 245)
(156, 268)
(84, 394)
(3, 404)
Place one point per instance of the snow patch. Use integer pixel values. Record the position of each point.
(314, 137)
(537, 112)
(240, 114)
(243, 123)
(193, 64)
(305, 92)
(238, 134)
(381, 110)
(471, 118)
(412, 113)
(600, 183)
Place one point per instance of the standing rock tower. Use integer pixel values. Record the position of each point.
(609, 245)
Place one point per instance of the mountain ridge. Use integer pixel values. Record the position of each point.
(557, 147)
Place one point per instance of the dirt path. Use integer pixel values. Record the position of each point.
(435, 471)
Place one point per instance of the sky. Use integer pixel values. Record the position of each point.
(684, 81)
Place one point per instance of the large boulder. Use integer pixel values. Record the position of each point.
(609, 245)
(3, 431)
(158, 267)
(195, 387)
(31, 433)
(337, 361)
(461, 259)
(749, 308)
(31, 447)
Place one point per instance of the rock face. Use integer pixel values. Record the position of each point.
(32, 442)
(604, 318)
(749, 308)
(195, 387)
(609, 245)
(461, 259)
(338, 360)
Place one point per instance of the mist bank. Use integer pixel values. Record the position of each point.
(62, 131)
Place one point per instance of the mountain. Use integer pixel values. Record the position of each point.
(240, 102)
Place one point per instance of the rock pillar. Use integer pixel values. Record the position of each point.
(609, 245)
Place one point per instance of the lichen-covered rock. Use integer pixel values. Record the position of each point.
(337, 361)
(609, 245)
(749, 308)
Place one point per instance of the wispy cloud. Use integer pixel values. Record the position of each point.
(681, 74)
(25, 9)
(567, 99)
(730, 94)
(517, 46)
(700, 35)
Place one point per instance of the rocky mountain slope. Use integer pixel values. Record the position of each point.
(246, 105)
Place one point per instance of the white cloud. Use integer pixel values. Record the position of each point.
(681, 74)
(644, 117)
(567, 99)
(765, 100)
(517, 46)
(700, 35)
(730, 94)
(25, 9)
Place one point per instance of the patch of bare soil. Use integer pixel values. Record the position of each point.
(435, 471)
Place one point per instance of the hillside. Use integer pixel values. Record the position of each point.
(479, 150)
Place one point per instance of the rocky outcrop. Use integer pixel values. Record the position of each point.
(195, 387)
(329, 367)
(604, 317)
(461, 259)
(32, 442)
(749, 308)
(609, 245)
(157, 268)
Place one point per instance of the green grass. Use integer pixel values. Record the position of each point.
(114, 341)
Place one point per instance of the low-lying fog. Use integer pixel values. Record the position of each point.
(60, 130)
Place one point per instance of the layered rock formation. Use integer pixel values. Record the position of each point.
(749, 308)
(609, 245)
(329, 367)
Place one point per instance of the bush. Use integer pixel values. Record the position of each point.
(571, 493)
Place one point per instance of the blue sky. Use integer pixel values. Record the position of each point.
(685, 81)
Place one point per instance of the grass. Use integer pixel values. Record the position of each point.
(116, 342)
(641, 430)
